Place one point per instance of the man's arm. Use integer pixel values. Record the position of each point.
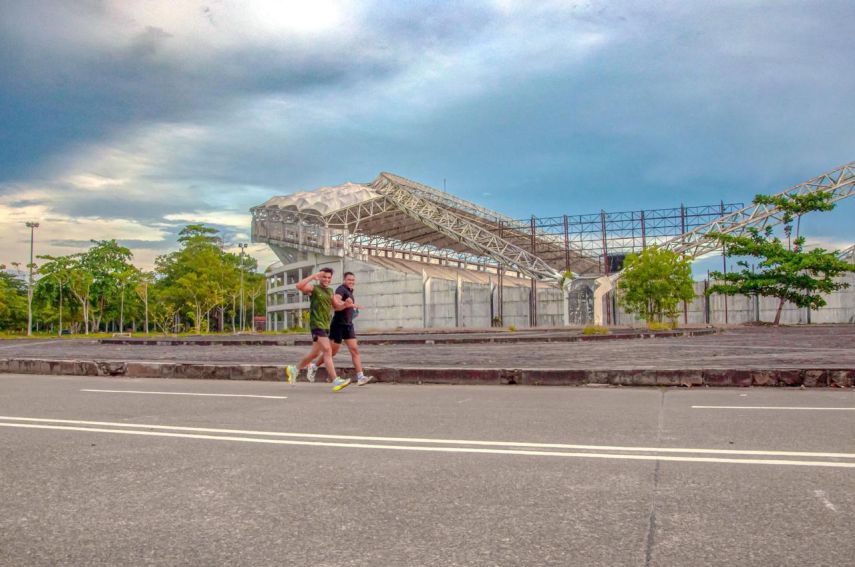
(339, 305)
(305, 285)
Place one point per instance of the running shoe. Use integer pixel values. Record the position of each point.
(291, 374)
(311, 371)
(364, 380)
(340, 384)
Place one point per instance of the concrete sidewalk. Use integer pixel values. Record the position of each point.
(768, 356)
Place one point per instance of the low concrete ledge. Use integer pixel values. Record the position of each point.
(721, 377)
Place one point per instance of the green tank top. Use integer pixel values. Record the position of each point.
(320, 307)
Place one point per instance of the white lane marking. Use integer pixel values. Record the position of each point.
(438, 441)
(186, 394)
(824, 499)
(618, 456)
(794, 408)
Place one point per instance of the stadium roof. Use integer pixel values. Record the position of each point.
(394, 213)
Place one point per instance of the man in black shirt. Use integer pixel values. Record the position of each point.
(341, 329)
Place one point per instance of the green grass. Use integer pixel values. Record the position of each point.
(595, 330)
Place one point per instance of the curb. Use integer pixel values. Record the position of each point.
(715, 377)
(428, 339)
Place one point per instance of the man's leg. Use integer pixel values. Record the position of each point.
(353, 347)
(326, 352)
(335, 348)
(291, 372)
(316, 348)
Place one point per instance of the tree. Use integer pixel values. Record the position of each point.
(13, 301)
(56, 270)
(143, 281)
(787, 272)
(80, 283)
(106, 260)
(256, 286)
(654, 282)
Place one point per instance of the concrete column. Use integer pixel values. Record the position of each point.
(458, 303)
(602, 286)
(426, 299)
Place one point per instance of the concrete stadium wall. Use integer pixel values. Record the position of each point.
(394, 299)
(390, 298)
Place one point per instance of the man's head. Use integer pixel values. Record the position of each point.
(349, 280)
(326, 277)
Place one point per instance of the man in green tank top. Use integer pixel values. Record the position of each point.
(320, 316)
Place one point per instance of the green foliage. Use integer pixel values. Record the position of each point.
(13, 303)
(787, 272)
(656, 326)
(654, 282)
(197, 287)
(595, 330)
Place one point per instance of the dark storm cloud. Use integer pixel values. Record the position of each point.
(59, 89)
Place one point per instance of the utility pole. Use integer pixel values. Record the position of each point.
(242, 246)
(32, 226)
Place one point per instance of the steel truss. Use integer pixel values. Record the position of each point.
(695, 243)
(458, 228)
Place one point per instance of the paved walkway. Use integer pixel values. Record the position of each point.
(759, 356)
(743, 348)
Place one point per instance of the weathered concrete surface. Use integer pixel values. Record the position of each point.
(760, 356)
(431, 338)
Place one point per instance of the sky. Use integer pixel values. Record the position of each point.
(128, 120)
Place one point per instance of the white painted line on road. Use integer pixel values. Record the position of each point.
(794, 408)
(618, 456)
(824, 499)
(801, 454)
(186, 394)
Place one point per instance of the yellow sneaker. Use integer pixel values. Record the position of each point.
(340, 384)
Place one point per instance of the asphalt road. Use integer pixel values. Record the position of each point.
(421, 475)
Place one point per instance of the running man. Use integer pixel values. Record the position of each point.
(320, 312)
(342, 329)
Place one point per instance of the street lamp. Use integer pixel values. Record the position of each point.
(32, 226)
(242, 246)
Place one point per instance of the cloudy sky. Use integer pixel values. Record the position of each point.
(127, 119)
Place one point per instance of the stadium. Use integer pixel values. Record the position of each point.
(426, 259)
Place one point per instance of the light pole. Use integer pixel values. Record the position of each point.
(32, 226)
(242, 246)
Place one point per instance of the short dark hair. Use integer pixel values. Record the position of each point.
(327, 270)
(348, 274)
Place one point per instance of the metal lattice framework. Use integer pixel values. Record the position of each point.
(847, 254)
(459, 227)
(695, 243)
(399, 218)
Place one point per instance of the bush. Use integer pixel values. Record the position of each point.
(656, 326)
(595, 330)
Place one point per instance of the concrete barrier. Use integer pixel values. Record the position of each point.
(716, 377)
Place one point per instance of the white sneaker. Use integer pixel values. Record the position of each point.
(311, 371)
(364, 380)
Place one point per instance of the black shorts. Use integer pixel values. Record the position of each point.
(340, 333)
(319, 333)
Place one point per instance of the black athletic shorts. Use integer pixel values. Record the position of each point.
(342, 332)
(319, 333)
